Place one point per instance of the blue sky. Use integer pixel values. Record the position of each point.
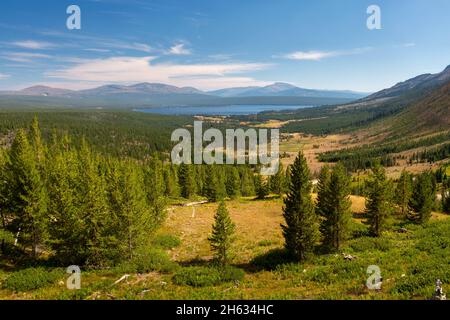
(212, 44)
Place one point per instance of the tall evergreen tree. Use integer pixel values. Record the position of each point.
(334, 206)
(66, 225)
(186, 181)
(379, 200)
(215, 185)
(403, 192)
(261, 187)
(301, 228)
(277, 181)
(29, 202)
(233, 182)
(247, 184)
(222, 235)
(93, 204)
(446, 195)
(323, 192)
(132, 221)
(171, 187)
(423, 197)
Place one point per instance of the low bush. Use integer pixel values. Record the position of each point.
(230, 273)
(370, 244)
(166, 241)
(197, 277)
(207, 276)
(31, 278)
(147, 261)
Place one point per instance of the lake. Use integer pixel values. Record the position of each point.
(229, 110)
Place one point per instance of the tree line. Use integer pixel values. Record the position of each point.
(326, 220)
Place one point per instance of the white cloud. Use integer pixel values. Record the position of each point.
(319, 55)
(4, 76)
(97, 50)
(179, 49)
(142, 69)
(23, 56)
(32, 44)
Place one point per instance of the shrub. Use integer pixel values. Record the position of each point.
(197, 277)
(370, 244)
(31, 278)
(147, 261)
(166, 241)
(207, 276)
(229, 273)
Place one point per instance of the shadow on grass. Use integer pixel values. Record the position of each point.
(268, 261)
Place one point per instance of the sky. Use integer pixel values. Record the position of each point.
(212, 44)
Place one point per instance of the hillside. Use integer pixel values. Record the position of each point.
(428, 115)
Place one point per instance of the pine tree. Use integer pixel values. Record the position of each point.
(29, 202)
(446, 195)
(66, 227)
(323, 192)
(334, 206)
(233, 182)
(215, 187)
(171, 187)
(247, 185)
(423, 197)
(222, 235)
(277, 181)
(379, 200)
(186, 181)
(132, 222)
(301, 228)
(93, 204)
(403, 192)
(261, 187)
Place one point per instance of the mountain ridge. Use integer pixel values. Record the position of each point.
(277, 89)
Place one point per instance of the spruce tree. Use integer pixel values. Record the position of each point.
(186, 181)
(423, 197)
(301, 224)
(247, 184)
(323, 192)
(132, 222)
(277, 181)
(29, 202)
(379, 200)
(403, 192)
(334, 206)
(446, 195)
(66, 227)
(233, 182)
(261, 187)
(222, 235)
(93, 204)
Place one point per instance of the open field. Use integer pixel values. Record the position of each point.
(409, 261)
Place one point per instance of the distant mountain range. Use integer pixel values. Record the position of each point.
(287, 90)
(158, 94)
(278, 89)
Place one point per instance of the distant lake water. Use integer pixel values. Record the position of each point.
(229, 110)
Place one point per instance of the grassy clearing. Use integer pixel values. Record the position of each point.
(410, 262)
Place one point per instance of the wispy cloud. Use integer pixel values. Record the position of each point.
(32, 44)
(319, 55)
(4, 76)
(23, 56)
(97, 50)
(179, 49)
(142, 69)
